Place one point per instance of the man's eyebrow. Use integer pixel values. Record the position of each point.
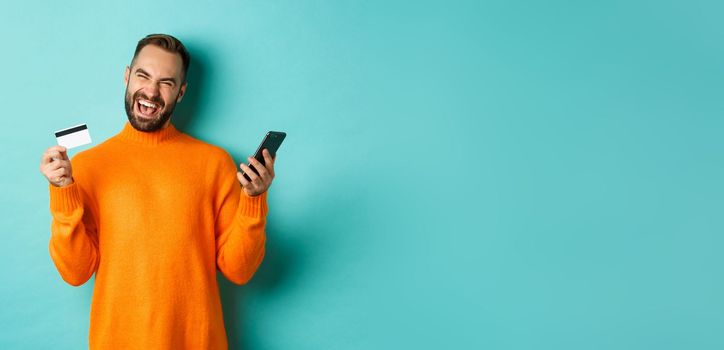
(142, 71)
(171, 79)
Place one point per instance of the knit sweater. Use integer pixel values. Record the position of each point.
(154, 215)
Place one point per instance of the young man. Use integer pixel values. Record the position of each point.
(154, 213)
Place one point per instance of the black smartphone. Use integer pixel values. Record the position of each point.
(271, 142)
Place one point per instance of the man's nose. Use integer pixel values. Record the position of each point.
(152, 90)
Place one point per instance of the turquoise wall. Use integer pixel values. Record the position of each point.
(458, 174)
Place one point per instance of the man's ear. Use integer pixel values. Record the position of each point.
(181, 92)
(126, 75)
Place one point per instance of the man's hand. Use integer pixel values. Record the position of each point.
(259, 183)
(55, 166)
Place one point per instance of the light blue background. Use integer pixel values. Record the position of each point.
(458, 174)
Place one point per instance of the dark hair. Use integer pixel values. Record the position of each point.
(168, 43)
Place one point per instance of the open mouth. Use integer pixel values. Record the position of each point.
(146, 108)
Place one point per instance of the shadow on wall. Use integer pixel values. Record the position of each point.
(190, 108)
(279, 260)
(297, 253)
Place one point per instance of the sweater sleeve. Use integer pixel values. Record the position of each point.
(239, 227)
(73, 241)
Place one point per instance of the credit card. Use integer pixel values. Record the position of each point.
(74, 136)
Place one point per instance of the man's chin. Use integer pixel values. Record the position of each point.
(142, 123)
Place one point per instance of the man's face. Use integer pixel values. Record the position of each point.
(153, 87)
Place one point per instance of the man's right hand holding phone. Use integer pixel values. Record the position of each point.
(55, 166)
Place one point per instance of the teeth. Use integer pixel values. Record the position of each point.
(147, 104)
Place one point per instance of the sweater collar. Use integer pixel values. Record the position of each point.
(151, 138)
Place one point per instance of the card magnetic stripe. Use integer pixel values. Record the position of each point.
(71, 130)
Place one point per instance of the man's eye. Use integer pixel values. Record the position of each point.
(167, 83)
(141, 76)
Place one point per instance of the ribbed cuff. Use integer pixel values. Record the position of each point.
(66, 198)
(253, 206)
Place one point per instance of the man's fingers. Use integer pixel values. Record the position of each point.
(267, 156)
(242, 179)
(49, 155)
(57, 148)
(269, 162)
(50, 169)
(259, 167)
(46, 159)
(54, 165)
(250, 173)
(54, 153)
(55, 175)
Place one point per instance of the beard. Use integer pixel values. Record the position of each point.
(148, 124)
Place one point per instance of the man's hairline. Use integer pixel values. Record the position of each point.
(183, 74)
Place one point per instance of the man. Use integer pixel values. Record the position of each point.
(154, 213)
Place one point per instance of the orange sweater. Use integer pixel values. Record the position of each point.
(154, 215)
